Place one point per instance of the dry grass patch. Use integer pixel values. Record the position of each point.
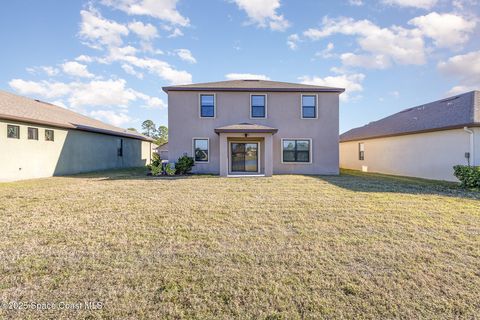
(286, 247)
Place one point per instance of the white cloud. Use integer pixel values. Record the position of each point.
(115, 118)
(355, 2)
(97, 31)
(351, 82)
(48, 70)
(186, 55)
(155, 66)
(422, 4)
(446, 30)
(84, 58)
(264, 13)
(400, 45)
(165, 10)
(246, 76)
(466, 68)
(145, 31)
(327, 52)
(76, 69)
(292, 41)
(43, 88)
(131, 71)
(366, 61)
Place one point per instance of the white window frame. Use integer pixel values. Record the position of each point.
(266, 105)
(296, 163)
(301, 105)
(193, 149)
(200, 104)
(230, 156)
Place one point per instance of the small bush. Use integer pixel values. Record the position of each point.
(469, 176)
(170, 169)
(156, 171)
(184, 165)
(156, 161)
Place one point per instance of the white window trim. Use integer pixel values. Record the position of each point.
(193, 149)
(301, 105)
(230, 156)
(266, 105)
(296, 163)
(200, 104)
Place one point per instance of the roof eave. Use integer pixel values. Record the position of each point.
(336, 90)
(273, 131)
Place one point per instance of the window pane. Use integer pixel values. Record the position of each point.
(288, 156)
(303, 156)
(207, 111)
(49, 135)
(13, 132)
(258, 112)
(201, 144)
(258, 101)
(288, 144)
(309, 112)
(308, 101)
(207, 99)
(361, 146)
(32, 133)
(303, 145)
(201, 155)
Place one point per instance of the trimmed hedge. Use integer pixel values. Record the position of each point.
(184, 165)
(469, 176)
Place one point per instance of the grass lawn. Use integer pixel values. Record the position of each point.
(286, 247)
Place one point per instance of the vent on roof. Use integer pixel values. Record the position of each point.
(407, 110)
(251, 80)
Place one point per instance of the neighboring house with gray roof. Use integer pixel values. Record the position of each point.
(39, 139)
(424, 141)
(254, 127)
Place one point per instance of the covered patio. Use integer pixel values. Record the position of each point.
(246, 150)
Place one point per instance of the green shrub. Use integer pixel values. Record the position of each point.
(184, 165)
(156, 171)
(170, 169)
(156, 161)
(469, 176)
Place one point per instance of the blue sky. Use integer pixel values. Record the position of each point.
(109, 59)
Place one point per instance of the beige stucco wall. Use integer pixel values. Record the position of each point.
(283, 112)
(73, 151)
(427, 155)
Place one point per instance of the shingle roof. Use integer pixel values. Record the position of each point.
(18, 108)
(246, 128)
(252, 85)
(454, 112)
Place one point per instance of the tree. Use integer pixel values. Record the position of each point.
(162, 135)
(149, 128)
(132, 129)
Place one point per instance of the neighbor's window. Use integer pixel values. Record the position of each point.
(32, 133)
(49, 135)
(309, 106)
(296, 150)
(258, 103)
(200, 147)
(120, 147)
(361, 151)
(207, 105)
(13, 131)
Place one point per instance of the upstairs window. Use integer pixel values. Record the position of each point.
(200, 149)
(13, 131)
(49, 135)
(309, 106)
(207, 105)
(258, 106)
(361, 151)
(120, 147)
(296, 150)
(32, 133)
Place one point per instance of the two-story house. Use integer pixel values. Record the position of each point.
(255, 127)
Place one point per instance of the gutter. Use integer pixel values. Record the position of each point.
(472, 146)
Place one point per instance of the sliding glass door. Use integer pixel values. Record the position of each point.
(244, 157)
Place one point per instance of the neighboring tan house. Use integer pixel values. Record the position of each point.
(254, 127)
(162, 151)
(424, 141)
(38, 139)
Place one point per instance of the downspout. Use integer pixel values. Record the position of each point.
(472, 145)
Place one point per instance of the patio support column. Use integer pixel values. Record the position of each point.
(268, 155)
(223, 155)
